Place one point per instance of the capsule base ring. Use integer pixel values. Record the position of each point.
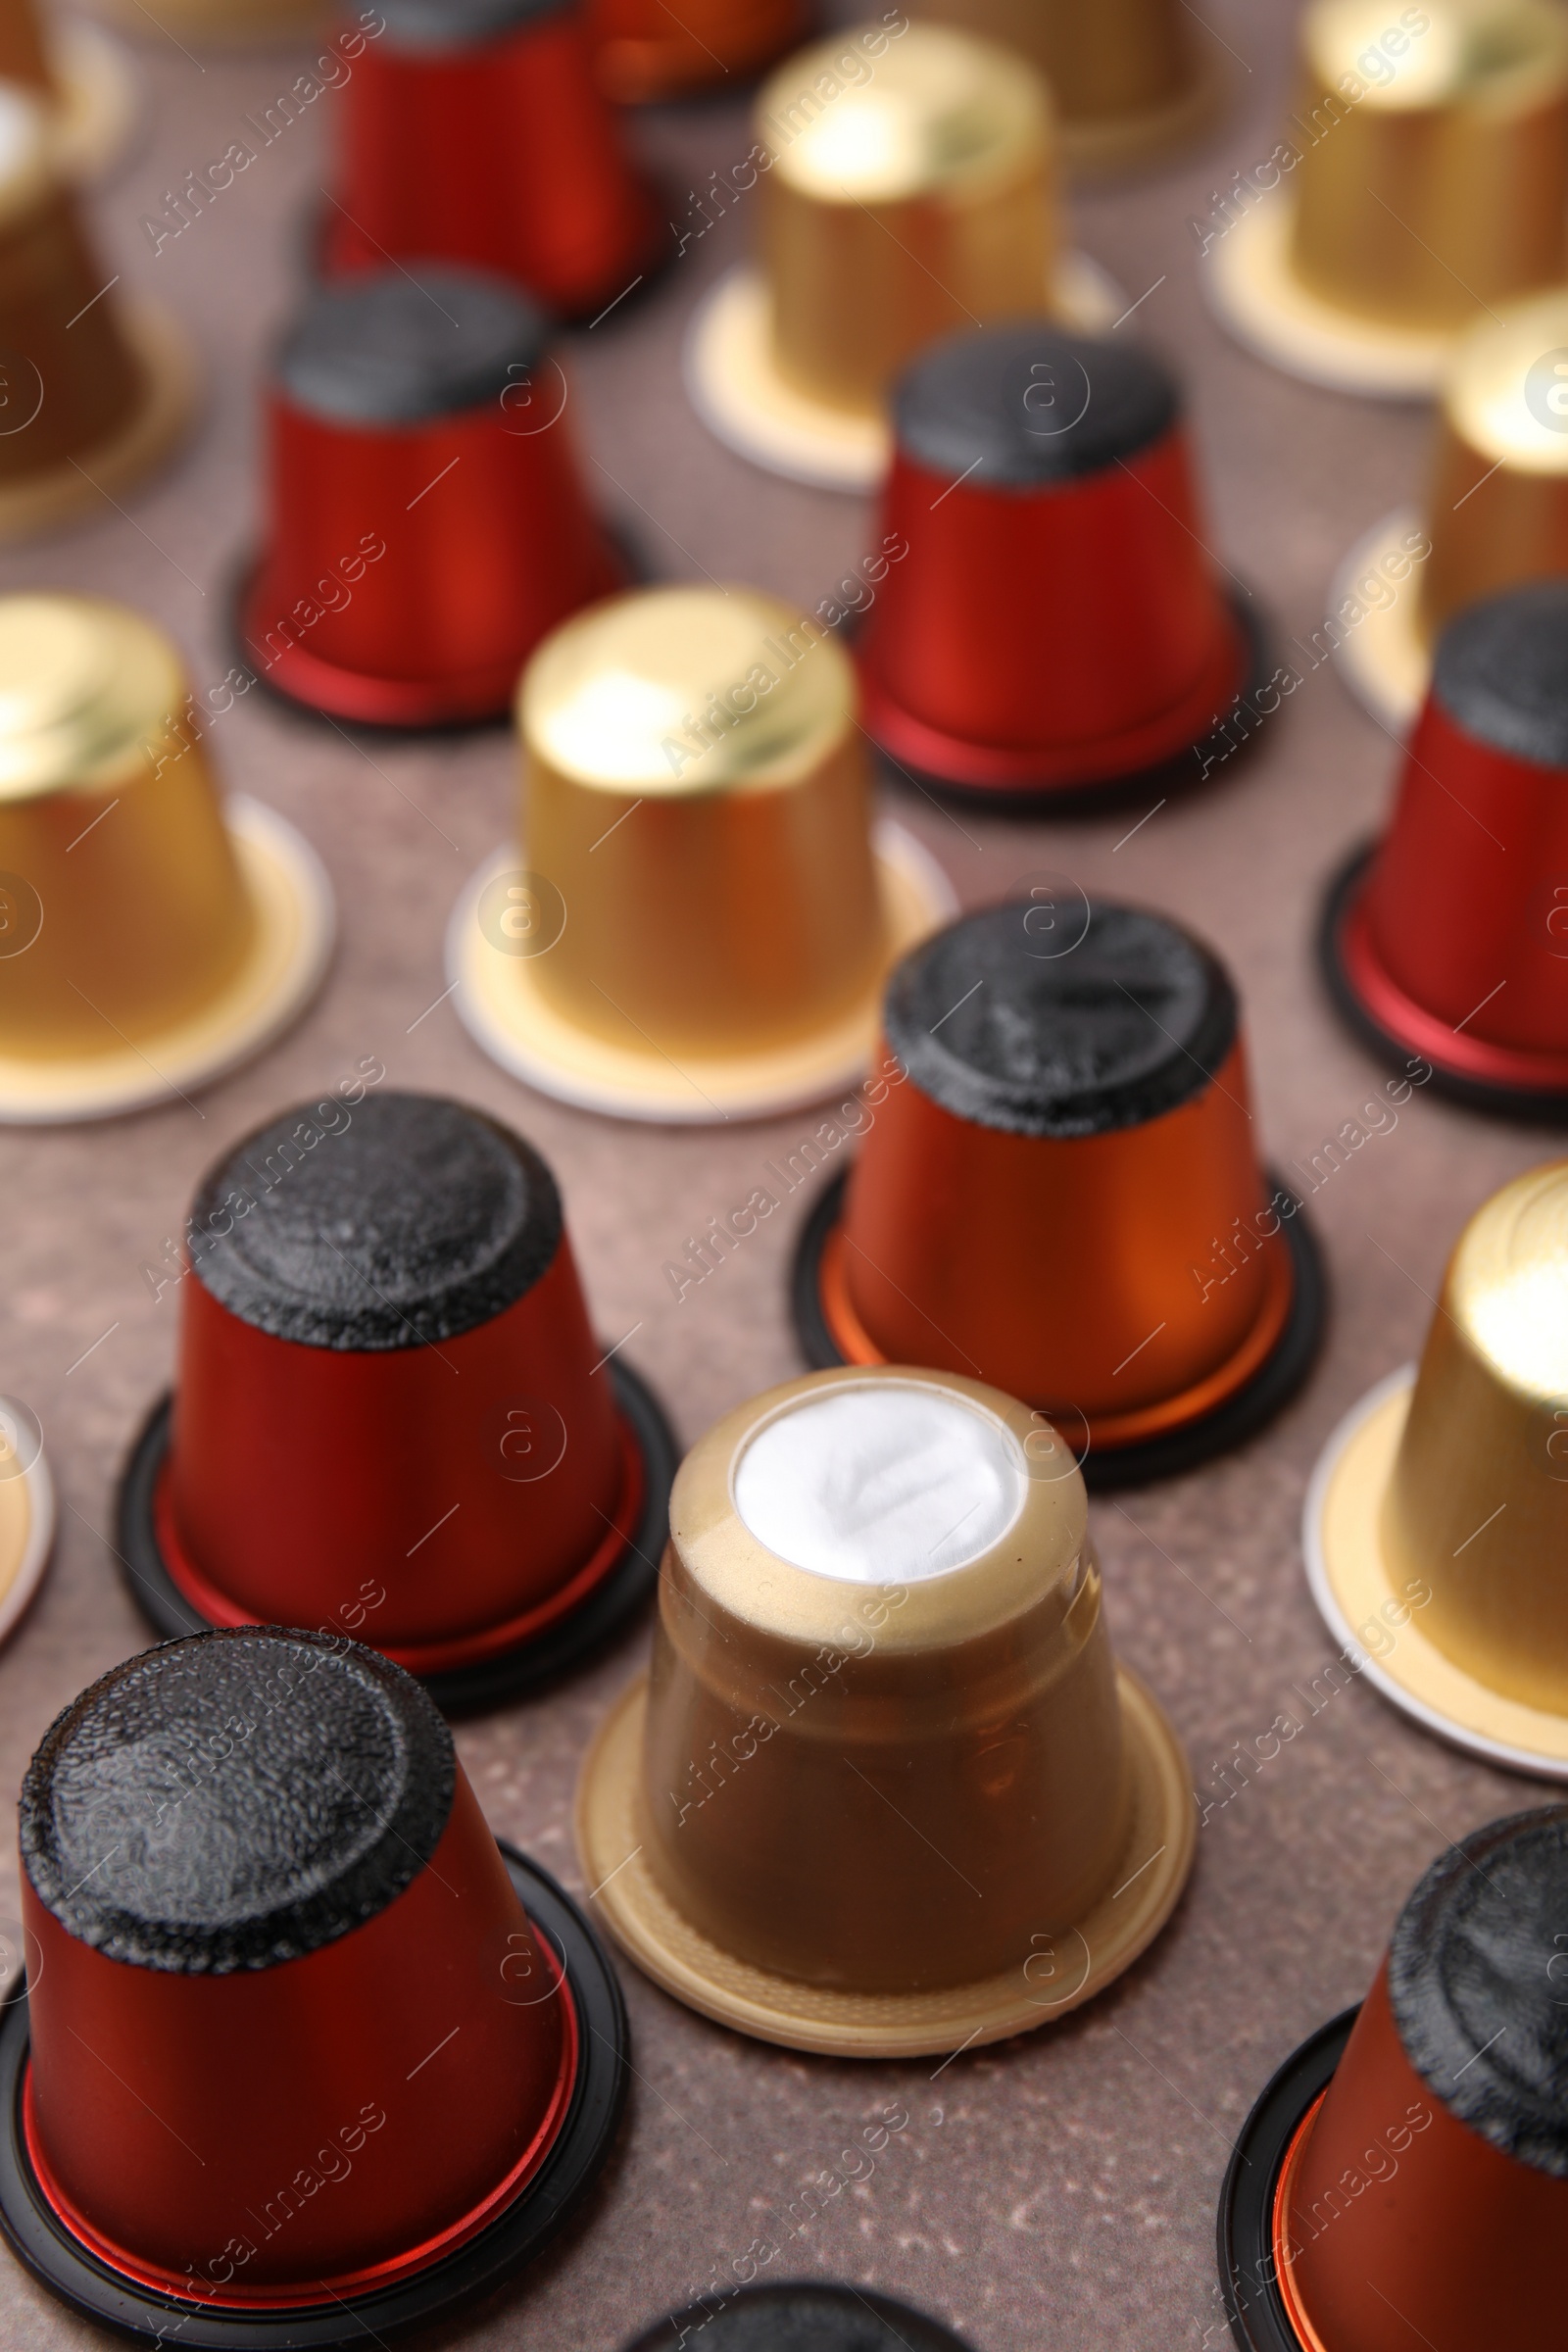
(26, 1537)
(599, 1618)
(1248, 2271)
(39, 2240)
(1350, 1582)
(1162, 1836)
(1107, 1469)
(1112, 146)
(1385, 661)
(86, 489)
(295, 925)
(1500, 1079)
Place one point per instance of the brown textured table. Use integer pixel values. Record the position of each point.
(1056, 2192)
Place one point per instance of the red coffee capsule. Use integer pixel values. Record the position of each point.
(1448, 940)
(1058, 1190)
(304, 2058)
(1055, 622)
(427, 519)
(391, 1414)
(1412, 2159)
(474, 131)
(642, 52)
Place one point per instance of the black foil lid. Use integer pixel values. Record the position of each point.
(1501, 673)
(235, 1801)
(808, 2316)
(403, 347)
(1015, 407)
(998, 1027)
(1478, 1983)
(433, 25)
(399, 1223)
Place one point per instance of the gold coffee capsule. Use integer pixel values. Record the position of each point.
(80, 78)
(150, 937)
(697, 918)
(1421, 182)
(1133, 79)
(1436, 1519)
(26, 1512)
(96, 391)
(906, 185)
(885, 1788)
(1495, 513)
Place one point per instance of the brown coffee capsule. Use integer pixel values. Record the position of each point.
(1412, 2159)
(907, 187)
(1421, 182)
(1134, 81)
(1438, 1513)
(884, 1789)
(80, 77)
(696, 922)
(151, 935)
(27, 1511)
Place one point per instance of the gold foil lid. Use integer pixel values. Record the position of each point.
(1493, 55)
(26, 173)
(937, 112)
(88, 691)
(680, 690)
(1507, 394)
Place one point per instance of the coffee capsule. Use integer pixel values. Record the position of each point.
(427, 517)
(1495, 513)
(697, 920)
(1447, 941)
(1133, 82)
(1058, 1190)
(1056, 622)
(97, 389)
(231, 24)
(473, 132)
(800, 2315)
(391, 1413)
(26, 1512)
(305, 2057)
(1411, 2158)
(908, 187)
(1437, 1513)
(1421, 183)
(879, 1615)
(80, 75)
(643, 53)
(151, 936)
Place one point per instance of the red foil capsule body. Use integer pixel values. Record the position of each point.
(501, 153)
(302, 1481)
(1389, 2201)
(306, 2131)
(1056, 616)
(1063, 1270)
(412, 566)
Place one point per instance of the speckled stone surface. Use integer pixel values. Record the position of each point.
(1059, 2191)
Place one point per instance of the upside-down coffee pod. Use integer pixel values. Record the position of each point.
(474, 132)
(1440, 1504)
(98, 388)
(1447, 939)
(1134, 81)
(152, 935)
(908, 186)
(698, 919)
(391, 1412)
(1060, 1192)
(26, 1512)
(1405, 2176)
(81, 76)
(800, 2315)
(642, 52)
(1057, 624)
(1421, 182)
(305, 2059)
(1496, 513)
(879, 1615)
(427, 522)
